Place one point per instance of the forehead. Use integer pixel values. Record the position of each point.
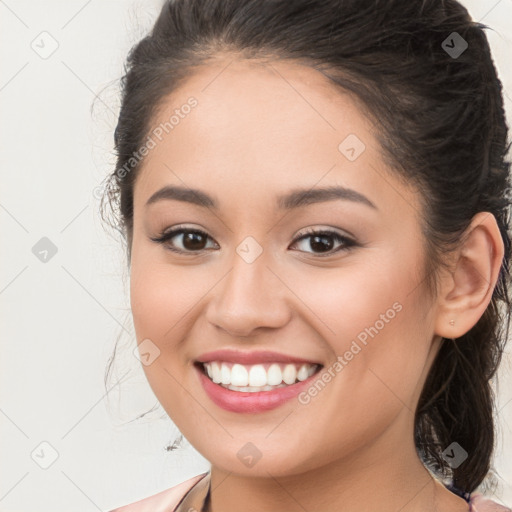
(260, 126)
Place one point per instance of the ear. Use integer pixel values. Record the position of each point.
(467, 289)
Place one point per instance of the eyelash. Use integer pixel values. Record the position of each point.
(167, 235)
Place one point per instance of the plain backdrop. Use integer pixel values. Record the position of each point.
(65, 444)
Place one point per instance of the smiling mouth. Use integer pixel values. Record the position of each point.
(256, 377)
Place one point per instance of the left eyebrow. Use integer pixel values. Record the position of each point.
(303, 197)
(294, 199)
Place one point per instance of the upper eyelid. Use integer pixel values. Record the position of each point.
(309, 231)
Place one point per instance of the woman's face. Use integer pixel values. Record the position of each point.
(246, 135)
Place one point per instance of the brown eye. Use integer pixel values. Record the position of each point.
(192, 240)
(324, 241)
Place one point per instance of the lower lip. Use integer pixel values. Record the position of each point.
(243, 401)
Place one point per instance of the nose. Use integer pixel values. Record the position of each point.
(251, 296)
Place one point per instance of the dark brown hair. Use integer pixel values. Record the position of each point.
(442, 128)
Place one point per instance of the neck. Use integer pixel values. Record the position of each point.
(386, 476)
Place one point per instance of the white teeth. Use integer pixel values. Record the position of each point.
(289, 374)
(217, 376)
(302, 374)
(225, 374)
(258, 377)
(274, 375)
(239, 376)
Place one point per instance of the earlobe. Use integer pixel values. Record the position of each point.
(467, 290)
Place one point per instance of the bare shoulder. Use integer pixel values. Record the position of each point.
(164, 501)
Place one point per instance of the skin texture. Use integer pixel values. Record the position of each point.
(258, 131)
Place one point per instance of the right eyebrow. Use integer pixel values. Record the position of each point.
(189, 195)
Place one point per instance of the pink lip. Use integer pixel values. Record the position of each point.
(255, 357)
(245, 402)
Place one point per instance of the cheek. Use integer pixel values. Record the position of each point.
(372, 319)
(162, 295)
(360, 301)
(162, 302)
(375, 377)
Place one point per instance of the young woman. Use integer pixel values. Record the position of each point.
(314, 195)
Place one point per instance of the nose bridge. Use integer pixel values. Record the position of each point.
(251, 295)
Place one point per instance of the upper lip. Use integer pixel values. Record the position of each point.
(254, 357)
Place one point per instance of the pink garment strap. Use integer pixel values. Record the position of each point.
(165, 501)
(479, 503)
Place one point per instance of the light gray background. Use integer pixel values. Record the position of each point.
(60, 318)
